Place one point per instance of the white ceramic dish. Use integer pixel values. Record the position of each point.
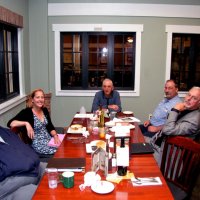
(98, 143)
(78, 131)
(95, 143)
(110, 124)
(113, 129)
(128, 112)
(102, 187)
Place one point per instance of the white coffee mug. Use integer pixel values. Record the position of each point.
(90, 178)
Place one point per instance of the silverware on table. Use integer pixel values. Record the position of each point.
(140, 181)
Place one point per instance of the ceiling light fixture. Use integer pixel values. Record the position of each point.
(130, 39)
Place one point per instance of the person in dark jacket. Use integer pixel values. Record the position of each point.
(19, 166)
(38, 123)
(108, 98)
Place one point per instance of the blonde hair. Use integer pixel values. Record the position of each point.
(31, 96)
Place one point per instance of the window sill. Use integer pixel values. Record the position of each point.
(89, 93)
(4, 107)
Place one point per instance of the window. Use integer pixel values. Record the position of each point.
(84, 55)
(185, 62)
(183, 56)
(9, 73)
(88, 58)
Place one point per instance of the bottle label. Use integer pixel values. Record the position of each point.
(114, 162)
(122, 156)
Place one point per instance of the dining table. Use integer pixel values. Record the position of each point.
(141, 165)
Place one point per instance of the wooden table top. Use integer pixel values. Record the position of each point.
(141, 165)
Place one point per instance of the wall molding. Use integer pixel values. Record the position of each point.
(7, 16)
(57, 28)
(124, 9)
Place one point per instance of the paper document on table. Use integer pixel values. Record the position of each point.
(51, 142)
(146, 181)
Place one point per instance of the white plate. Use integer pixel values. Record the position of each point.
(102, 187)
(98, 143)
(94, 143)
(113, 129)
(110, 124)
(128, 112)
(79, 131)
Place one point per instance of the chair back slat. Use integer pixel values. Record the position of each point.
(181, 162)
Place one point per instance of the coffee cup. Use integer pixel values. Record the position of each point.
(90, 178)
(52, 174)
(67, 178)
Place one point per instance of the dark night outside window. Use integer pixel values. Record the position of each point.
(9, 73)
(88, 57)
(185, 62)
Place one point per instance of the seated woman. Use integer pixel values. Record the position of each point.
(38, 123)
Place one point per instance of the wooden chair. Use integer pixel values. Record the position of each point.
(180, 164)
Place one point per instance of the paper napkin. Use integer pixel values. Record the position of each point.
(146, 181)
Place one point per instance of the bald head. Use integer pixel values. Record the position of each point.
(192, 99)
(107, 86)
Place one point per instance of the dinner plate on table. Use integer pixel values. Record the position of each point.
(102, 187)
(110, 124)
(114, 128)
(128, 112)
(76, 128)
(92, 146)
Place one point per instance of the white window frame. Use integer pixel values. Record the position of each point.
(57, 28)
(170, 29)
(4, 107)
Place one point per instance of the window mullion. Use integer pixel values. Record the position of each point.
(85, 57)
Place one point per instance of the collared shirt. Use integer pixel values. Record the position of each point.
(161, 112)
(1, 139)
(100, 99)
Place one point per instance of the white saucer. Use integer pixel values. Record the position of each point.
(128, 112)
(102, 187)
(110, 124)
(98, 143)
(95, 143)
(113, 129)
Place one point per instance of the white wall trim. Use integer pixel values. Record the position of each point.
(170, 29)
(8, 105)
(57, 28)
(21, 62)
(4, 107)
(123, 9)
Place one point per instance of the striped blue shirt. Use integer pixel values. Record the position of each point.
(160, 114)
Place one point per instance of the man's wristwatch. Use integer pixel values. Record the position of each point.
(175, 110)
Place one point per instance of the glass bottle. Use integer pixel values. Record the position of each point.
(109, 155)
(101, 117)
(121, 155)
(114, 161)
(101, 123)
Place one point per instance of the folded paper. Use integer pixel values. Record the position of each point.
(52, 143)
